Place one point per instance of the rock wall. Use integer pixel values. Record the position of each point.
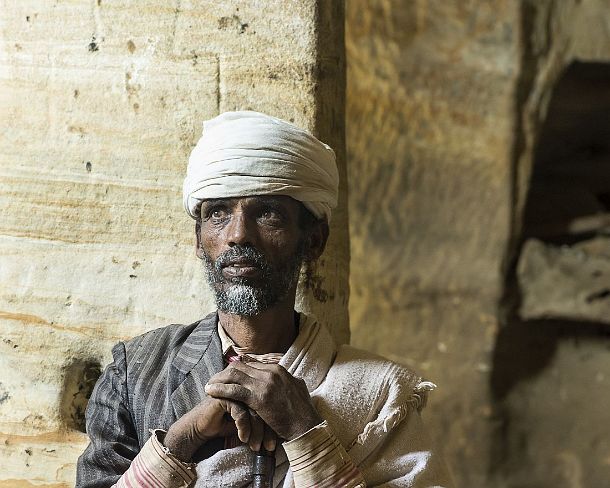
(445, 102)
(550, 380)
(430, 118)
(100, 103)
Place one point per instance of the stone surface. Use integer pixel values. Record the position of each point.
(565, 283)
(100, 103)
(430, 115)
(548, 376)
(555, 429)
(445, 102)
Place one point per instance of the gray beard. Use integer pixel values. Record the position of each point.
(240, 296)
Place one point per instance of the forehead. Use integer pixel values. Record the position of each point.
(283, 201)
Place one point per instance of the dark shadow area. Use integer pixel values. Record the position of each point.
(569, 194)
(79, 379)
(567, 202)
(525, 348)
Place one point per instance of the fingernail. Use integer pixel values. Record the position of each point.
(255, 446)
(270, 445)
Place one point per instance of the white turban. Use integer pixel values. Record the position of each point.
(249, 153)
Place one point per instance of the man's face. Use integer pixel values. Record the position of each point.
(252, 249)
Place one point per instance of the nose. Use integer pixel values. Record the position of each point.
(239, 230)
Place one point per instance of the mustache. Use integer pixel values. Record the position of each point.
(239, 253)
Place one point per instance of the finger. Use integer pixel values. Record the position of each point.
(269, 439)
(241, 416)
(265, 366)
(237, 393)
(233, 374)
(274, 373)
(254, 368)
(266, 372)
(257, 432)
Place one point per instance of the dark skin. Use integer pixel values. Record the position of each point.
(263, 401)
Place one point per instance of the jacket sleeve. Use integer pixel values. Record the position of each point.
(113, 442)
(317, 458)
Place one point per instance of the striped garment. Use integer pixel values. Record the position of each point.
(155, 467)
(119, 454)
(316, 459)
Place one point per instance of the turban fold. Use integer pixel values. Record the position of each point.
(249, 153)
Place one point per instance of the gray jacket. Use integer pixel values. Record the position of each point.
(154, 379)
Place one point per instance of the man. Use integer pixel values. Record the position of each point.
(206, 404)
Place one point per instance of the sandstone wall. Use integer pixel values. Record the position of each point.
(100, 103)
(445, 100)
(430, 118)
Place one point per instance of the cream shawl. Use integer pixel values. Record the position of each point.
(371, 404)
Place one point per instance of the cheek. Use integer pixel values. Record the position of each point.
(281, 246)
(210, 243)
(282, 240)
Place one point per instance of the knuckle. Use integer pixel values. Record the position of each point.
(241, 394)
(232, 374)
(267, 395)
(268, 374)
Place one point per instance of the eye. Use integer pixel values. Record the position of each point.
(271, 216)
(216, 213)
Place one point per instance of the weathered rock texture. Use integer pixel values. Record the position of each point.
(100, 103)
(565, 282)
(550, 376)
(556, 431)
(445, 103)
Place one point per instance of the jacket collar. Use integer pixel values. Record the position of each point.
(195, 345)
(199, 358)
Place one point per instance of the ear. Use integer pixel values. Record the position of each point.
(198, 244)
(316, 240)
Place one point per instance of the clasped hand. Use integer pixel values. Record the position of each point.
(280, 400)
(259, 402)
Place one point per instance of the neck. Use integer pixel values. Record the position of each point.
(274, 330)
